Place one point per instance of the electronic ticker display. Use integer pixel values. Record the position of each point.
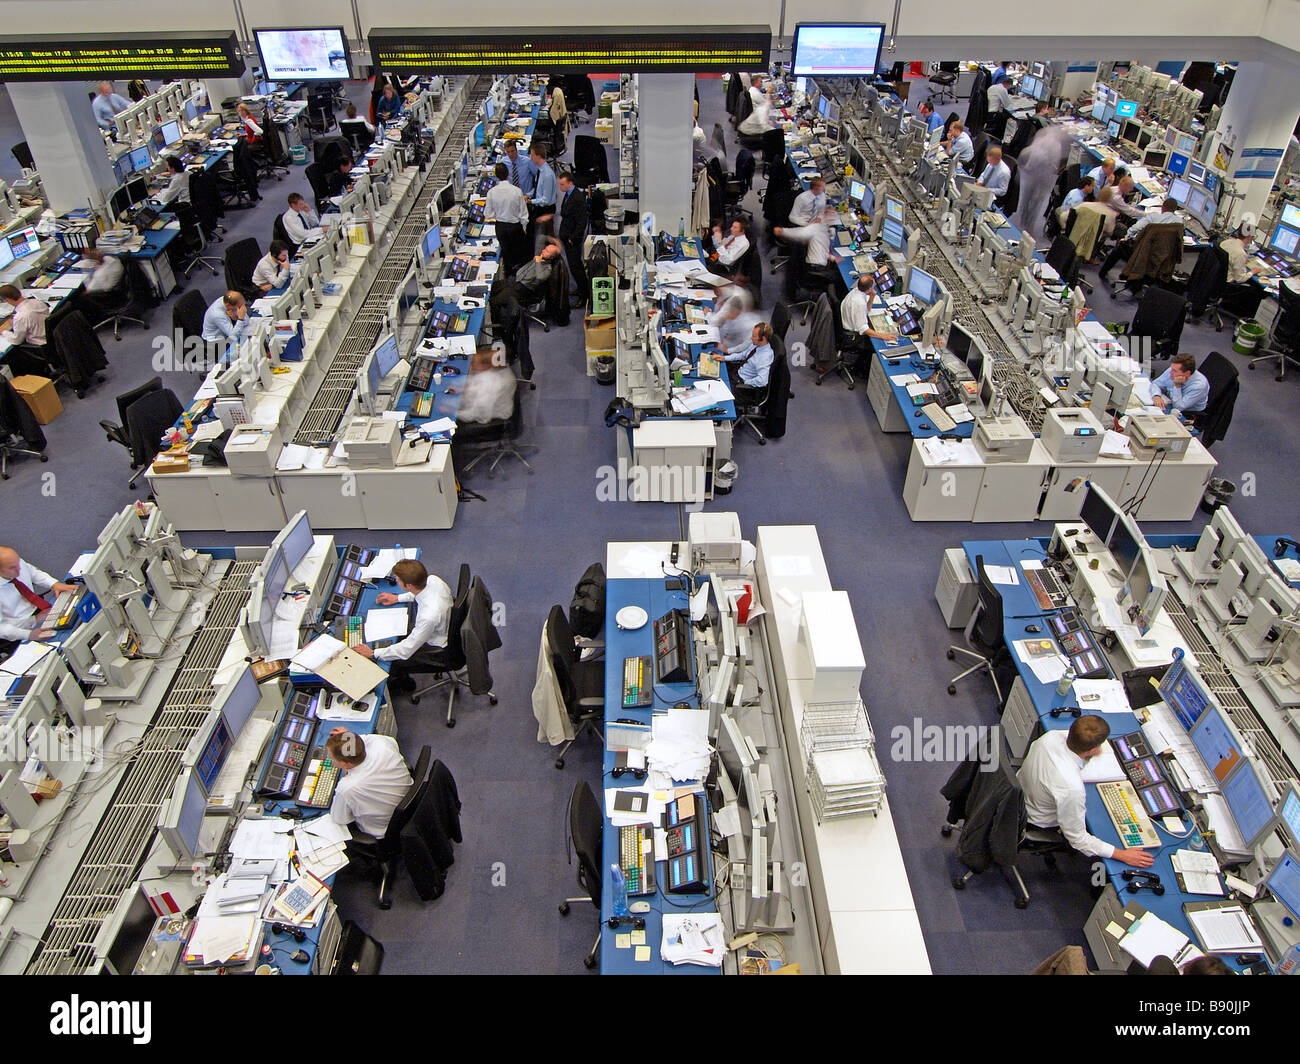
(96, 56)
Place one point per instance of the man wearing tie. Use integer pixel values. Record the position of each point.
(571, 221)
(541, 204)
(810, 204)
(523, 174)
(22, 603)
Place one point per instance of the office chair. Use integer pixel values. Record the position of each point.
(586, 825)
(980, 142)
(590, 162)
(1284, 338)
(205, 198)
(749, 407)
(320, 110)
(187, 320)
(452, 659)
(1010, 199)
(278, 232)
(1209, 292)
(193, 242)
(385, 852)
(325, 150)
(1160, 316)
(241, 261)
(478, 638)
(23, 154)
(744, 108)
(135, 299)
(978, 783)
(741, 180)
(359, 138)
(428, 837)
(582, 683)
(315, 174)
(772, 144)
(1212, 422)
(945, 76)
(996, 125)
(80, 354)
(238, 182)
(20, 433)
(845, 342)
(146, 413)
(273, 159)
(1156, 253)
(780, 320)
(502, 438)
(984, 639)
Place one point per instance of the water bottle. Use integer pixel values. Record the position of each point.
(1290, 963)
(1065, 682)
(618, 903)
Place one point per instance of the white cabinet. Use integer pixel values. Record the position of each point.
(937, 491)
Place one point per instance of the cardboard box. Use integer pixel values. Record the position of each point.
(600, 331)
(39, 394)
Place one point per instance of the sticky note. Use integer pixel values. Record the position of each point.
(1113, 929)
(638, 938)
(622, 941)
(642, 953)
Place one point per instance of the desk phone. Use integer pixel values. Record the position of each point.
(673, 648)
(686, 828)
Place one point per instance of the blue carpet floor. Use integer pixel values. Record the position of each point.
(531, 539)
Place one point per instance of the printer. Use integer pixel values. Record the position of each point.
(1150, 434)
(1003, 439)
(1072, 435)
(372, 442)
(252, 450)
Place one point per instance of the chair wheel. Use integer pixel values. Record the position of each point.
(451, 723)
(44, 458)
(493, 700)
(386, 904)
(951, 654)
(958, 883)
(952, 688)
(945, 831)
(564, 908)
(818, 382)
(762, 443)
(1021, 903)
(589, 961)
(1251, 366)
(559, 762)
(415, 700)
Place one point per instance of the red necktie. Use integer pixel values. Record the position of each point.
(31, 596)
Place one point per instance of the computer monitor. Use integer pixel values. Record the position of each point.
(894, 208)
(24, 242)
(1126, 108)
(975, 360)
(931, 321)
(191, 111)
(315, 54)
(921, 286)
(1250, 800)
(140, 158)
(1129, 129)
(170, 133)
(823, 106)
(387, 355)
(489, 108)
(959, 341)
(836, 48)
(1288, 812)
(1178, 163)
(295, 540)
(1098, 513)
(1185, 143)
(1144, 591)
(801, 85)
(1217, 741)
(1098, 107)
(1113, 128)
(892, 234)
(180, 820)
(1125, 543)
(1284, 883)
(6, 254)
(1290, 215)
(368, 379)
(1285, 240)
(857, 190)
(1179, 190)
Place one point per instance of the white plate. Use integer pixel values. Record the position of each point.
(630, 618)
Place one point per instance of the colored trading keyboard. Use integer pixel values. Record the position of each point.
(636, 858)
(318, 781)
(350, 630)
(1125, 811)
(422, 405)
(638, 681)
(1047, 588)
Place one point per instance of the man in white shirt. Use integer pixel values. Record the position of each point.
(1124, 249)
(999, 97)
(272, 269)
(810, 204)
(226, 318)
(489, 393)
(734, 318)
(1052, 781)
(99, 288)
(299, 219)
(729, 250)
(178, 188)
(22, 602)
(27, 323)
(428, 635)
(996, 175)
(817, 236)
(761, 120)
(855, 310)
(507, 208)
(375, 780)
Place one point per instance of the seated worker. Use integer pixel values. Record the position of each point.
(252, 131)
(98, 290)
(855, 311)
(730, 249)
(809, 204)
(428, 635)
(272, 269)
(959, 144)
(998, 96)
(107, 105)
(388, 106)
(1084, 191)
(755, 360)
(299, 219)
(817, 236)
(1239, 271)
(535, 275)
(507, 207)
(350, 115)
(1124, 248)
(761, 119)
(734, 318)
(933, 120)
(339, 179)
(996, 175)
(1103, 175)
(488, 395)
(25, 329)
(374, 780)
(1181, 387)
(1052, 781)
(22, 605)
(178, 187)
(226, 318)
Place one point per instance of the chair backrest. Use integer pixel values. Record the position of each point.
(774, 146)
(187, 313)
(392, 840)
(559, 636)
(74, 340)
(140, 291)
(315, 173)
(986, 623)
(1062, 257)
(1157, 250)
(1286, 328)
(205, 199)
(278, 232)
(780, 320)
(1220, 373)
(479, 638)
(585, 827)
(147, 419)
(1209, 277)
(23, 154)
(241, 261)
(356, 134)
(456, 620)
(1160, 314)
(1011, 198)
(124, 401)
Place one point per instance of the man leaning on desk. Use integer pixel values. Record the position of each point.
(272, 270)
(1052, 782)
(22, 606)
(226, 318)
(427, 638)
(374, 780)
(1182, 387)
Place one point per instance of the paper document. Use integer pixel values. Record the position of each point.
(1115, 445)
(1199, 872)
(1225, 929)
(1101, 696)
(1150, 937)
(1104, 768)
(25, 657)
(1003, 574)
(391, 623)
(384, 561)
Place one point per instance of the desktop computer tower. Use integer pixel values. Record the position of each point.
(956, 592)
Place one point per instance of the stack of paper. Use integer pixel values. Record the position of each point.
(321, 847)
(1149, 937)
(25, 657)
(234, 896)
(262, 847)
(679, 745)
(1115, 445)
(391, 623)
(1198, 872)
(1101, 696)
(693, 938)
(1224, 929)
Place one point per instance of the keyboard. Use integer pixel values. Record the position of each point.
(422, 372)
(938, 417)
(1047, 588)
(638, 681)
(636, 858)
(350, 630)
(319, 778)
(63, 614)
(422, 405)
(1125, 811)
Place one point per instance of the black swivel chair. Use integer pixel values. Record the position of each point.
(193, 242)
(241, 260)
(985, 644)
(278, 232)
(582, 683)
(187, 321)
(80, 355)
(357, 135)
(590, 163)
(205, 197)
(1225, 386)
(1160, 316)
(1284, 340)
(772, 144)
(586, 824)
(452, 660)
(849, 351)
(502, 439)
(385, 853)
(780, 320)
(146, 412)
(273, 159)
(315, 174)
(1062, 257)
(132, 305)
(943, 75)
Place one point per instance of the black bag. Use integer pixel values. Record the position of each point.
(587, 610)
(598, 261)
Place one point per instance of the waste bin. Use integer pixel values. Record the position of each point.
(605, 369)
(1218, 493)
(1248, 336)
(725, 476)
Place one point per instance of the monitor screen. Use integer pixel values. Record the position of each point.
(824, 106)
(857, 189)
(129, 942)
(893, 208)
(1196, 201)
(1108, 113)
(137, 190)
(1250, 803)
(1288, 810)
(1124, 547)
(1179, 190)
(1129, 131)
(141, 158)
(1196, 172)
(208, 766)
(1099, 108)
(1178, 163)
(171, 132)
(1097, 513)
(801, 85)
(191, 111)
(387, 356)
(119, 202)
(975, 361)
(1284, 883)
(6, 254)
(24, 242)
(822, 48)
(1185, 143)
(431, 242)
(489, 108)
(1216, 745)
(892, 234)
(1112, 127)
(1290, 215)
(959, 341)
(303, 54)
(1126, 108)
(1285, 240)
(921, 285)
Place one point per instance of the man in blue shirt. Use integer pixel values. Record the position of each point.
(959, 144)
(933, 120)
(1077, 195)
(523, 174)
(541, 204)
(388, 106)
(755, 358)
(107, 104)
(996, 175)
(226, 318)
(1181, 387)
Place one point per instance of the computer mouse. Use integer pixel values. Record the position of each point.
(926, 425)
(916, 413)
(1032, 628)
(638, 907)
(300, 956)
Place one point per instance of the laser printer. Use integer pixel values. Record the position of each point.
(1003, 439)
(1149, 434)
(1072, 434)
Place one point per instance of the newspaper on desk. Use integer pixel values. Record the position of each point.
(321, 846)
(693, 938)
(679, 745)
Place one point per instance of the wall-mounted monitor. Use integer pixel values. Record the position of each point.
(827, 49)
(1126, 108)
(304, 54)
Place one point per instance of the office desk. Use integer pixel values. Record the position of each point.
(656, 600)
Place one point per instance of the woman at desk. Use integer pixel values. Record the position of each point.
(178, 188)
(252, 131)
(389, 105)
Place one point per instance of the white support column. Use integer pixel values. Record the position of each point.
(1075, 77)
(664, 137)
(1259, 116)
(65, 142)
(219, 89)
